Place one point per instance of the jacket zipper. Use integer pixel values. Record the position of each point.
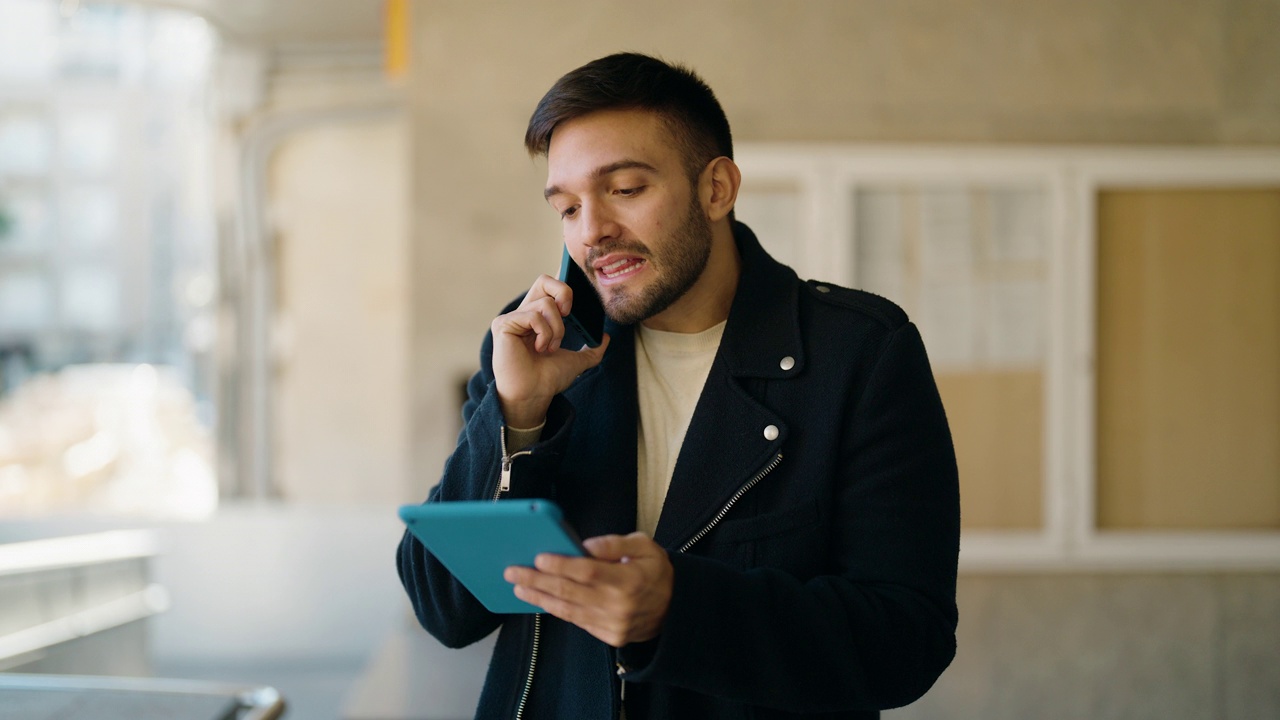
(533, 663)
(622, 691)
(504, 485)
(777, 459)
(755, 480)
(504, 478)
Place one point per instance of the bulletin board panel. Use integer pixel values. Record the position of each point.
(997, 425)
(1188, 359)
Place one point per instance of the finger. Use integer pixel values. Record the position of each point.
(522, 323)
(536, 291)
(546, 307)
(525, 575)
(584, 617)
(592, 617)
(617, 547)
(559, 607)
(558, 291)
(557, 586)
(519, 575)
(588, 572)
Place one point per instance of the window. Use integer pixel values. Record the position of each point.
(105, 227)
(1053, 287)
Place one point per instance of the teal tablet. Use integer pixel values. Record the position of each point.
(477, 541)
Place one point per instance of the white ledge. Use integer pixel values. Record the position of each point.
(75, 551)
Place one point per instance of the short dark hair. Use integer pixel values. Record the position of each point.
(634, 81)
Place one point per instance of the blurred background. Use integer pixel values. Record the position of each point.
(248, 251)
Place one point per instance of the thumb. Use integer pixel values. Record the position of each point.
(614, 548)
(591, 357)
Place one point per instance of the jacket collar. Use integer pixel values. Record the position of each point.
(764, 319)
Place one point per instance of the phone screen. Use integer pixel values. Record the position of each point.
(585, 323)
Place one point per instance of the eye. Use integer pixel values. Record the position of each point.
(629, 192)
(569, 212)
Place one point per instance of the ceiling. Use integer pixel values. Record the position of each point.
(290, 23)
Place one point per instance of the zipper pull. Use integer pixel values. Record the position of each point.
(504, 479)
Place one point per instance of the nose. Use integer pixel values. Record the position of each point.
(597, 224)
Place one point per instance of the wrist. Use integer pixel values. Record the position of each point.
(527, 414)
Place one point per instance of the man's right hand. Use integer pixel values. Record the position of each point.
(529, 366)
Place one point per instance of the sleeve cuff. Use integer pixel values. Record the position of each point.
(521, 438)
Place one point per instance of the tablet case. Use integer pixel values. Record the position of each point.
(477, 541)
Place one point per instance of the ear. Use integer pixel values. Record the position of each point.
(718, 186)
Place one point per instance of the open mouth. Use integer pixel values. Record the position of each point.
(615, 269)
(620, 268)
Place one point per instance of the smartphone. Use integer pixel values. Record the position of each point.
(477, 540)
(585, 322)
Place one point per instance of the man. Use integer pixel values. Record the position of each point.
(762, 465)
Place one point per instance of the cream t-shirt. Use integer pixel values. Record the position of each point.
(671, 369)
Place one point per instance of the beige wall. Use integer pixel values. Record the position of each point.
(338, 203)
(989, 71)
(342, 341)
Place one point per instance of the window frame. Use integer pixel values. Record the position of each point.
(827, 176)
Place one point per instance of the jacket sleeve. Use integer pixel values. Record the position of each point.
(443, 605)
(879, 630)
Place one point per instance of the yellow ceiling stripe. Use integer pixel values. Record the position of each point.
(396, 24)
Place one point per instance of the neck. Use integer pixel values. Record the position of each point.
(708, 300)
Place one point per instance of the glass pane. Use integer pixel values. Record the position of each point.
(24, 302)
(28, 39)
(945, 220)
(180, 49)
(1015, 329)
(89, 216)
(949, 322)
(967, 264)
(26, 220)
(878, 251)
(91, 298)
(26, 143)
(91, 42)
(1017, 224)
(88, 141)
(774, 215)
(879, 227)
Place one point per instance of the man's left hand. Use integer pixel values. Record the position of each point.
(619, 595)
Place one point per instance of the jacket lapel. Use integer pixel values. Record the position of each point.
(723, 448)
(726, 444)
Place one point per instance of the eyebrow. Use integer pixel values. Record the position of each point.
(605, 170)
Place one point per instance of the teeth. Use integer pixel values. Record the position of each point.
(634, 267)
(612, 265)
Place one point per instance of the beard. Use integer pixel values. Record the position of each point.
(679, 263)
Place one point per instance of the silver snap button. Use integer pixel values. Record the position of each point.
(787, 363)
(771, 432)
(824, 289)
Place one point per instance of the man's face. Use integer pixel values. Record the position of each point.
(631, 217)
